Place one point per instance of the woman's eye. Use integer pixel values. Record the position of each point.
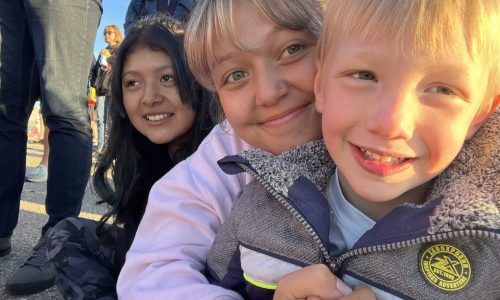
(131, 83)
(364, 75)
(439, 89)
(167, 78)
(236, 75)
(291, 50)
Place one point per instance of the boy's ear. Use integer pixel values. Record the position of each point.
(483, 115)
(317, 87)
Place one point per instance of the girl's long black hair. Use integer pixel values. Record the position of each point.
(133, 161)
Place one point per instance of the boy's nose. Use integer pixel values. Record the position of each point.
(394, 117)
(269, 85)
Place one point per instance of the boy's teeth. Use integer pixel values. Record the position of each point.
(386, 159)
(158, 117)
(381, 158)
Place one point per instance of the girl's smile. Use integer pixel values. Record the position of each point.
(151, 98)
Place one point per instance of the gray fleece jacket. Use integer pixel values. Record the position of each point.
(446, 248)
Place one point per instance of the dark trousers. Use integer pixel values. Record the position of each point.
(45, 52)
(86, 266)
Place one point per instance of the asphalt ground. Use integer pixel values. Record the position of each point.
(32, 217)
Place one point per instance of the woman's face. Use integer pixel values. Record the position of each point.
(110, 36)
(267, 92)
(151, 98)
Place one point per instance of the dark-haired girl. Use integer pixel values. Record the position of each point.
(159, 116)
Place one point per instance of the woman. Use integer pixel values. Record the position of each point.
(159, 116)
(112, 37)
(195, 198)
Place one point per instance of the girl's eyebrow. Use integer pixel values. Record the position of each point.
(230, 55)
(159, 68)
(223, 58)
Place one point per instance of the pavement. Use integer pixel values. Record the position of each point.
(32, 217)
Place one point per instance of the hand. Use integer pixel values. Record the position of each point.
(312, 282)
(360, 293)
(106, 52)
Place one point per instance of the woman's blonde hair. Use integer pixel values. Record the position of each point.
(421, 27)
(118, 33)
(212, 20)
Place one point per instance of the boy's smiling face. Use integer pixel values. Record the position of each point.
(392, 122)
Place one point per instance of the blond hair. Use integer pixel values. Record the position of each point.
(212, 20)
(422, 27)
(118, 33)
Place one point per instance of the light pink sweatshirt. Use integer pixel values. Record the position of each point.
(186, 208)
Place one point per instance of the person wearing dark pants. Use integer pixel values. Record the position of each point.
(45, 52)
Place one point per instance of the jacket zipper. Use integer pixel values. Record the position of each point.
(329, 260)
(337, 263)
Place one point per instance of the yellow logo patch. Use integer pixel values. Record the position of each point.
(445, 267)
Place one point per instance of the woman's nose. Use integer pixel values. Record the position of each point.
(270, 85)
(151, 95)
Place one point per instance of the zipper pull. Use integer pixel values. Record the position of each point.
(334, 266)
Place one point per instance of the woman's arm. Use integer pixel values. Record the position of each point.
(185, 210)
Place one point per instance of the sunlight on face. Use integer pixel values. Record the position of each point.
(393, 122)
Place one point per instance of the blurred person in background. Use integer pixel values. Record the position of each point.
(113, 37)
(40, 172)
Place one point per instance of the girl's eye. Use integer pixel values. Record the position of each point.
(131, 83)
(236, 75)
(364, 75)
(291, 50)
(167, 78)
(439, 89)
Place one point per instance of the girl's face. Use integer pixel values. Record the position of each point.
(151, 98)
(267, 93)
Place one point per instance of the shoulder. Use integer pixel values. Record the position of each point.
(469, 186)
(199, 179)
(220, 142)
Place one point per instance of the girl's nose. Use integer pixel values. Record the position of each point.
(151, 95)
(270, 86)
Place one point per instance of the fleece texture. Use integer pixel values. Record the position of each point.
(310, 160)
(470, 185)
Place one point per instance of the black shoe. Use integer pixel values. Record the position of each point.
(4, 245)
(35, 275)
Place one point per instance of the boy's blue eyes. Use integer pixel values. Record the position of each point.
(364, 75)
(438, 89)
(442, 90)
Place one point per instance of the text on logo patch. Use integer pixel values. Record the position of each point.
(445, 267)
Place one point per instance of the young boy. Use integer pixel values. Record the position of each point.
(398, 103)
(401, 90)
